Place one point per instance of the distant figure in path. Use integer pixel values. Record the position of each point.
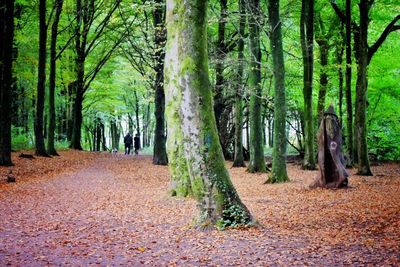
(137, 143)
(128, 143)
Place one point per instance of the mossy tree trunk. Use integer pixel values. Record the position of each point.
(160, 153)
(180, 181)
(52, 79)
(279, 172)
(307, 38)
(321, 37)
(190, 113)
(238, 157)
(39, 123)
(257, 161)
(361, 91)
(6, 48)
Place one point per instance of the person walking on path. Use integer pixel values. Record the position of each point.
(128, 143)
(137, 143)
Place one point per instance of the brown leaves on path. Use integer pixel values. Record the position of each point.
(100, 209)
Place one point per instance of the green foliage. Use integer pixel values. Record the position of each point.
(232, 217)
(20, 139)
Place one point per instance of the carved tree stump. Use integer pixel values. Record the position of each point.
(332, 171)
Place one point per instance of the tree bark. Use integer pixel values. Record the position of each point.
(137, 113)
(6, 61)
(323, 76)
(115, 135)
(257, 161)
(361, 92)
(307, 38)
(52, 79)
(349, 105)
(219, 102)
(39, 135)
(160, 152)
(238, 157)
(80, 73)
(339, 61)
(189, 101)
(279, 170)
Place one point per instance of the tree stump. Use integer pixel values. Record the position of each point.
(10, 177)
(332, 171)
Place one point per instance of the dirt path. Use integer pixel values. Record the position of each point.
(115, 211)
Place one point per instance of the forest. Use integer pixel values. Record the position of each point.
(238, 104)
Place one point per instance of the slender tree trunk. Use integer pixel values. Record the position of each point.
(257, 161)
(103, 137)
(52, 80)
(188, 93)
(114, 134)
(98, 134)
(323, 77)
(130, 124)
(39, 135)
(279, 172)
(361, 92)
(307, 38)
(160, 152)
(219, 102)
(339, 60)
(80, 74)
(238, 157)
(6, 47)
(349, 106)
(137, 113)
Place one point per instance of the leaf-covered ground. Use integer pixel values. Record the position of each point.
(101, 209)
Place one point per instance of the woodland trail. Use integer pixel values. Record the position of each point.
(115, 210)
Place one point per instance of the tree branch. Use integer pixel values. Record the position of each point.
(389, 28)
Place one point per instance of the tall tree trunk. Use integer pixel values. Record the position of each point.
(323, 76)
(39, 135)
(98, 134)
(238, 157)
(103, 137)
(137, 113)
(52, 80)
(361, 92)
(339, 61)
(349, 106)
(113, 132)
(6, 47)
(80, 74)
(188, 94)
(307, 38)
(85, 15)
(77, 120)
(257, 161)
(130, 124)
(279, 172)
(219, 103)
(159, 152)
(180, 180)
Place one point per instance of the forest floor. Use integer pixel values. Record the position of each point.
(104, 209)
